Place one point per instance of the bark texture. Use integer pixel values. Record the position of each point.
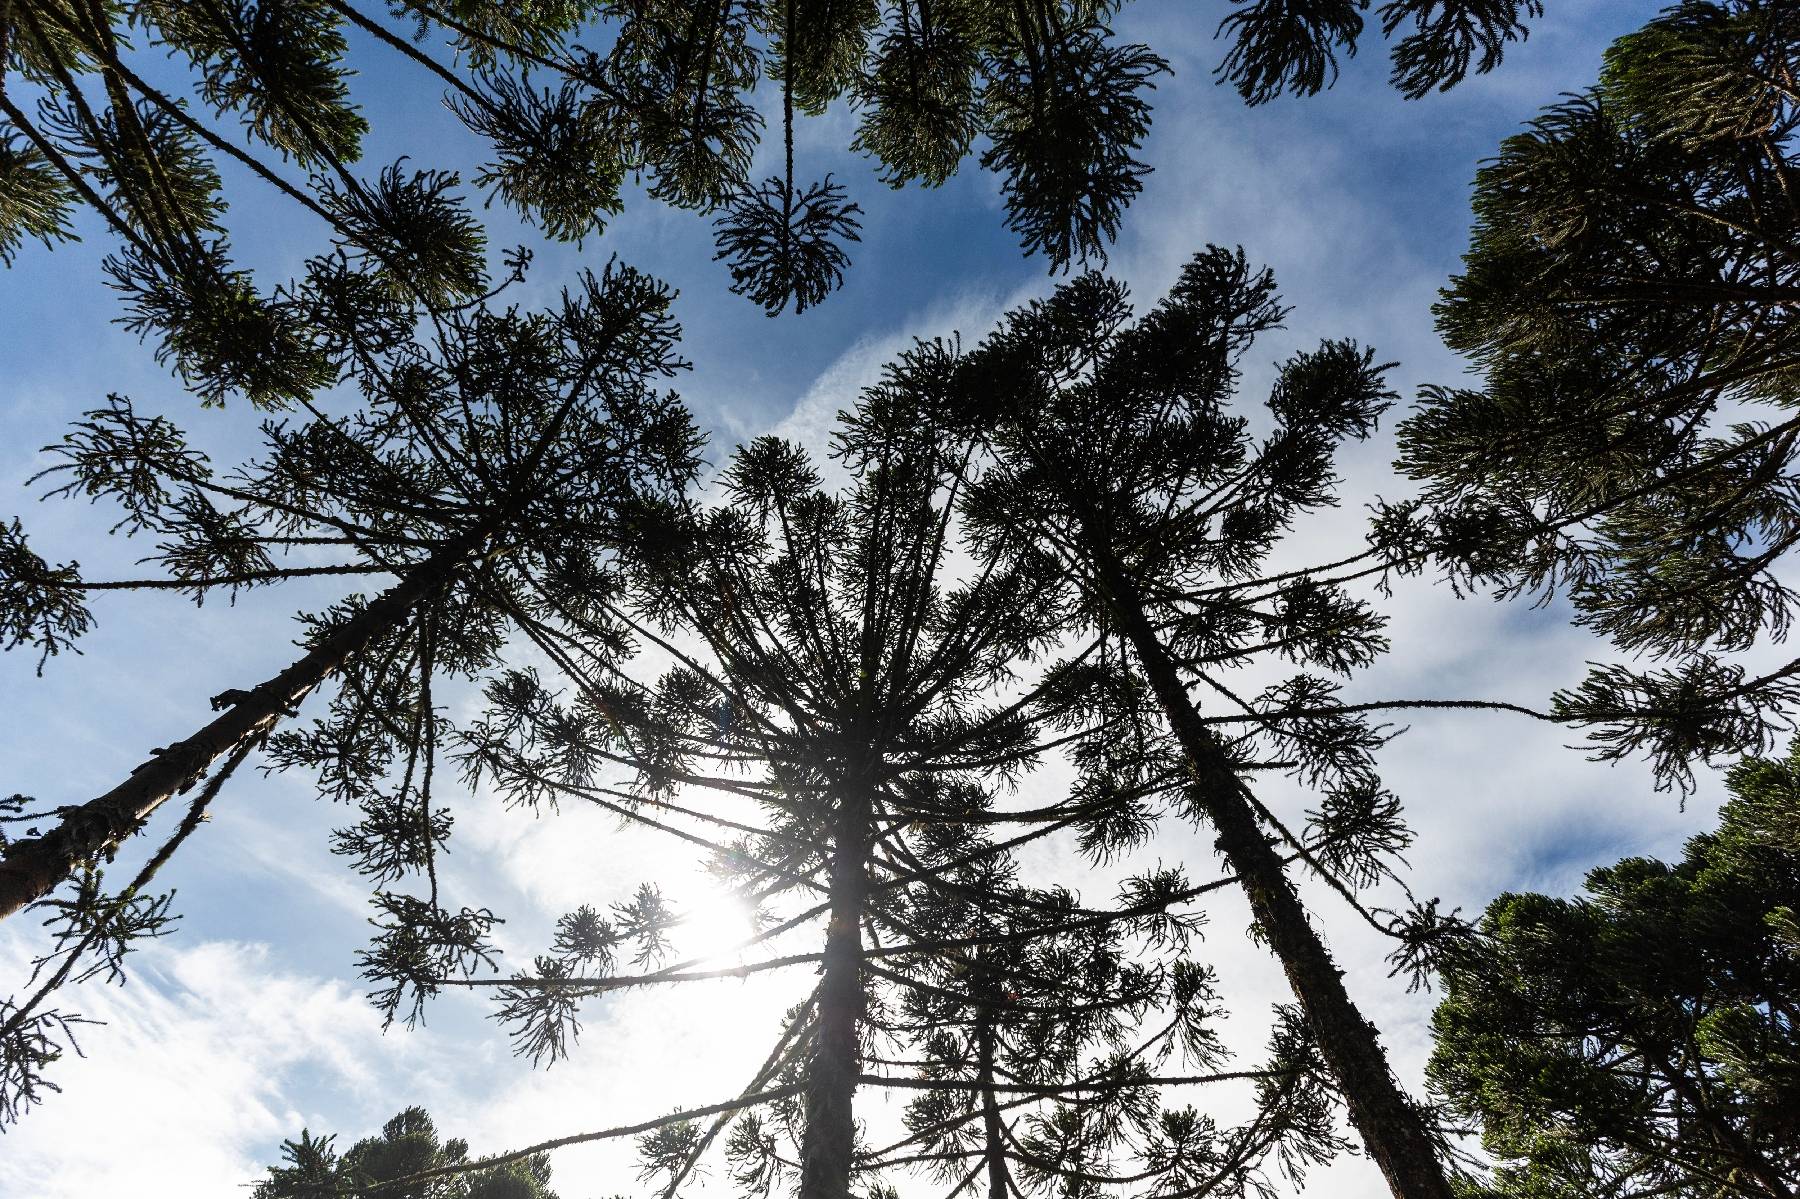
(827, 1154)
(35, 866)
(1390, 1127)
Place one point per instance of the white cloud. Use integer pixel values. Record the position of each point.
(190, 1082)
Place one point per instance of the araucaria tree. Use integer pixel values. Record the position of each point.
(847, 684)
(856, 685)
(1043, 544)
(1108, 443)
(485, 467)
(1642, 1038)
(1033, 992)
(1629, 295)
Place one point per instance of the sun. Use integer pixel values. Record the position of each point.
(716, 926)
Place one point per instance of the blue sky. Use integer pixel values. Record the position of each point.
(249, 1023)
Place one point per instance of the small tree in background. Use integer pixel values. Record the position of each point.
(1643, 1038)
(407, 1145)
(1628, 294)
(1031, 1047)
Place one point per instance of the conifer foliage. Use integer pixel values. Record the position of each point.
(1628, 294)
(91, 116)
(1292, 46)
(485, 469)
(878, 665)
(871, 697)
(408, 1144)
(1017, 1010)
(1642, 1038)
(1111, 445)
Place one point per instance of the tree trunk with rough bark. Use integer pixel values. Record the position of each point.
(34, 867)
(992, 1129)
(1390, 1127)
(826, 1156)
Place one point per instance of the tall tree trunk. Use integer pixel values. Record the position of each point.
(34, 867)
(992, 1129)
(1390, 1127)
(830, 1139)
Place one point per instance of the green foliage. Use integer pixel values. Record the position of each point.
(407, 1144)
(40, 605)
(861, 677)
(1066, 115)
(918, 100)
(489, 469)
(1450, 36)
(1699, 74)
(30, 1043)
(147, 162)
(556, 155)
(821, 47)
(415, 233)
(1642, 1038)
(278, 66)
(35, 201)
(670, 101)
(221, 335)
(1281, 45)
(1045, 993)
(92, 931)
(1627, 293)
(1112, 438)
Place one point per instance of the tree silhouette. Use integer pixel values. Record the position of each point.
(1292, 45)
(487, 468)
(1107, 442)
(837, 665)
(841, 664)
(1033, 1083)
